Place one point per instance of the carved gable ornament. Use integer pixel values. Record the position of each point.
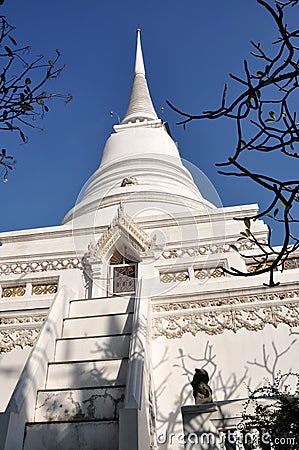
(122, 228)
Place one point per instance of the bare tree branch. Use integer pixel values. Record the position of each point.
(22, 98)
(266, 123)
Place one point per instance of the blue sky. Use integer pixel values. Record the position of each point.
(189, 49)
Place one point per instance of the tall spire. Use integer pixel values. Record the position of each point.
(140, 104)
(139, 64)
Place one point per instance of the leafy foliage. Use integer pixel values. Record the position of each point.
(265, 107)
(273, 411)
(22, 79)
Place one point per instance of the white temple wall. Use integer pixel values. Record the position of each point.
(11, 365)
(193, 322)
(234, 361)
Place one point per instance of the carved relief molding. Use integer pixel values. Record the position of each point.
(43, 289)
(292, 263)
(251, 317)
(29, 289)
(122, 222)
(254, 298)
(289, 264)
(205, 249)
(17, 268)
(196, 273)
(18, 338)
(13, 291)
(168, 277)
(18, 320)
(203, 274)
(19, 331)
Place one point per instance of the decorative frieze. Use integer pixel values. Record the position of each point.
(20, 320)
(202, 274)
(216, 322)
(247, 311)
(205, 249)
(19, 331)
(253, 267)
(208, 303)
(29, 289)
(39, 266)
(18, 338)
(42, 289)
(13, 291)
(170, 277)
(184, 275)
(291, 263)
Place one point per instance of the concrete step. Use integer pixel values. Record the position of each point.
(98, 325)
(98, 307)
(107, 347)
(84, 374)
(79, 404)
(72, 436)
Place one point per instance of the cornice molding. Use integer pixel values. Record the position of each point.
(252, 312)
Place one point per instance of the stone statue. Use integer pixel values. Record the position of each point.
(201, 390)
(129, 181)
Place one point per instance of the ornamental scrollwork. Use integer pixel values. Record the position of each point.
(168, 277)
(289, 264)
(292, 263)
(43, 289)
(17, 268)
(122, 223)
(216, 322)
(17, 320)
(252, 298)
(183, 275)
(13, 291)
(19, 331)
(36, 289)
(203, 274)
(203, 250)
(9, 339)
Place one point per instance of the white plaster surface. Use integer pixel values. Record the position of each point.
(140, 104)
(83, 404)
(107, 347)
(70, 436)
(234, 361)
(11, 365)
(87, 374)
(97, 326)
(93, 307)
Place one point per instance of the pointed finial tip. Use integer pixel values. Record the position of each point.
(138, 30)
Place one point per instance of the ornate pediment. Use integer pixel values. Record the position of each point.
(122, 228)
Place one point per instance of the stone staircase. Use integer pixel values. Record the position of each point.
(85, 387)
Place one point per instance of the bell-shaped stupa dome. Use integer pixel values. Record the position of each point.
(140, 165)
